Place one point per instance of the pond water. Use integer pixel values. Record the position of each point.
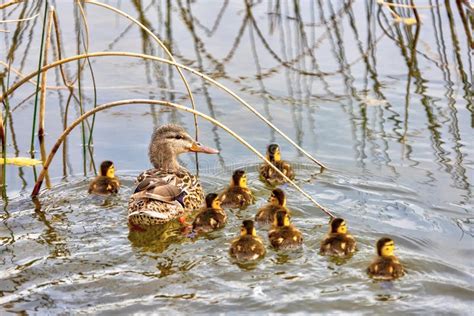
(386, 105)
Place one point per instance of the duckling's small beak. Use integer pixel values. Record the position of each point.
(198, 148)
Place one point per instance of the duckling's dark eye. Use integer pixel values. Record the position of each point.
(178, 137)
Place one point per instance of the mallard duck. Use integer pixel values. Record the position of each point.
(268, 174)
(211, 217)
(338, 242)
(237, 195)
(283, 234)
(276, 202)
(386, 266)
(105, 183)
(167, 191)
(248, 246)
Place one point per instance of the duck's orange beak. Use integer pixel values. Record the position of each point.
(198, 148)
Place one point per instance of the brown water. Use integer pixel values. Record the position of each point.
(388, 107)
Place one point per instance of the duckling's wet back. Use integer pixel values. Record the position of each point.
(365, 106)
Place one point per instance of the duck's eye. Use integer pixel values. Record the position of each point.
(178, 137)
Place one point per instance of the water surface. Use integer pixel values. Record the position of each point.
(387, 106)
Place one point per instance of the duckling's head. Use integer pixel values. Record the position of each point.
(107, 169)
(239, 179)
(281, 219)
(273, 153)
(169, 141)
(248, 228)
(385, 247)
(277, 198)
(338, 225)
(212, 201)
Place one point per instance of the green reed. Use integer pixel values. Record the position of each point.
(40, 63)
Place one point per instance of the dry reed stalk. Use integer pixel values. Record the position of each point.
(19, 20)
(160, 43)
(42, 110)
(5, 5)
(2, 132)
(407, 6)
(179, 107)
(57, 33)
(205, 77)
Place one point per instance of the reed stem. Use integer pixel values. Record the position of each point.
(40, 62)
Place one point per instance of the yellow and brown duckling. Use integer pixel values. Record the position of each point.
(276, 202)
(211, 217)
(338, 242)
(248, 246)
(283, 234)
(386, 266)
(105, 183)
(168, 191)
(237, 195)
(268, 174)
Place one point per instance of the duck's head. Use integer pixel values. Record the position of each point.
(169, 141)
(212, 201)
(273, 153)
(277, 198)
(248, 228)
(281, 219)
(239, 179)
(107, 169)
(338, 225)
(385, 247)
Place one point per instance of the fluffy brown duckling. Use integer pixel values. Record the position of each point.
(105, 183)
(268, 174)
(276, 202)
(211, 217)
(386, 266)
(237, 195)
(338, 242)
(283, 234)
(248, 246)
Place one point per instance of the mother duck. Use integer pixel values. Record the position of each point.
(169, 190)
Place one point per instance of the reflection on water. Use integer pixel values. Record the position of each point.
(381, 93)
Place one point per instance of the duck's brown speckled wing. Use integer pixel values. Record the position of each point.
(164, 189)
(161, 196)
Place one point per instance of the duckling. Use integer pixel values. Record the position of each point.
(386, 266)
(338, 242)
(168, 191)
(105, 183)
(237, 195)
(211, 217)
(268, 174)
(248, 246)
(276, 202)
(284, 235)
